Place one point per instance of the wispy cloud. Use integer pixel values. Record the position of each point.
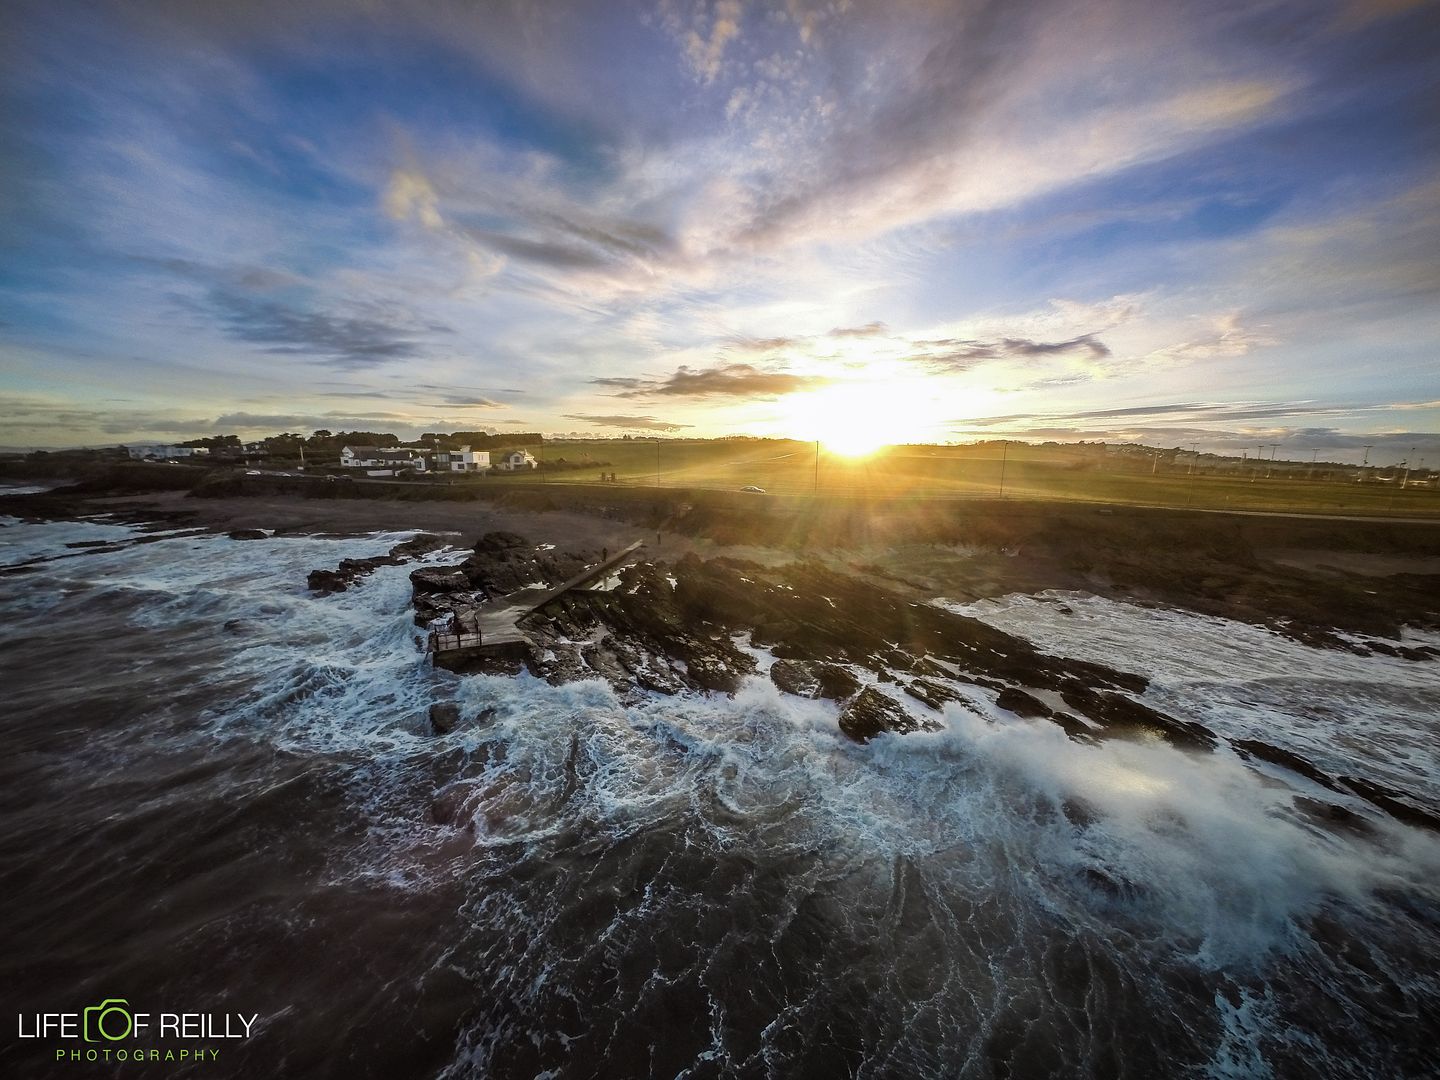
(950, 354)
(723, 380)
(629, 423)
(1077, 203)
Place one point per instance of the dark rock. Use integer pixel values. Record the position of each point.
(873, 712)
(501, 541)
(1400, 805)
(1117, 714)
(932, 693)
(795, 677)
(325, 582)
(1079, 813)
(352, 570)
(444, 717)
(836, 683)
(1076, 728)
(418, 545)
(713, 673)
(1330, 816)
(248, 534)
(1022, 704)
(430, 579)
(1286, 760)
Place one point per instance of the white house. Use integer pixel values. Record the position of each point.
(379, 457)
(516, 461)
(164, 452)
(465, 460)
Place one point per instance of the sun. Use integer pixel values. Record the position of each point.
(859, 416)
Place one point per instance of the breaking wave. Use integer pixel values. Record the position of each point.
(231, 788)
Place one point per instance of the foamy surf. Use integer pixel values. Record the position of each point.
(722, 885)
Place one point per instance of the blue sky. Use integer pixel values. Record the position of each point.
(1176, 223)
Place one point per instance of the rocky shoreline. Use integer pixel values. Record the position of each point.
(890, 663)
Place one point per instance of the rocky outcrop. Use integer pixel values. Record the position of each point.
(444, 717)
(1022, 704)
(873, 712)
(667, 629)
(350, 571)
(795, 677)
(1120, 715)
(248, 534)
(814, 679)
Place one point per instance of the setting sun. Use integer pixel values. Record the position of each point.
(858, 417)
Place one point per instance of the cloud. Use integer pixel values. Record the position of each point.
(705, 52)
(410, 196)
(724, 380)
(348, 341)
(952, 354)
(765, 344)
(1227, 338)
(636, 423)
(470, 402)
(243, 300)
(1190, 417)
(54, 420)
(870, 329)
(245, 421)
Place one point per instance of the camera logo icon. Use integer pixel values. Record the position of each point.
(110, 1020)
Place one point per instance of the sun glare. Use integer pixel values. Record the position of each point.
(858, 417)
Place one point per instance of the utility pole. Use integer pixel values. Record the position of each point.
(1366, 460)
(817, 467)
(1004, 459)
(657, 461)
(1194, 449)
(1154, 461)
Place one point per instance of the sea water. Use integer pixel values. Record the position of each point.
(221, 793)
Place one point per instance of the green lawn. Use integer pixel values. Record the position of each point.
(1029, 472)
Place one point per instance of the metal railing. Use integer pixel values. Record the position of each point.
(441, 641)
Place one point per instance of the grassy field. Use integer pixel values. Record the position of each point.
(1019, 471)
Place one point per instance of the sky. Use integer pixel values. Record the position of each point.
(1175, 223)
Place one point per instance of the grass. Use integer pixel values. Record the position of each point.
(1066, 473)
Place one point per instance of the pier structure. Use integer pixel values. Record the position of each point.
(496, 620)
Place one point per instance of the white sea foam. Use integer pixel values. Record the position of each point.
(1171, 857)
(1369, 715)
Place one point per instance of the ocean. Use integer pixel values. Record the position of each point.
(220, 794)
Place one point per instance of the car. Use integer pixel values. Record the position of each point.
(753, 489)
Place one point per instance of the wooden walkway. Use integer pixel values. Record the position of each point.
(497, 618)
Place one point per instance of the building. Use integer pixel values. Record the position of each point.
(380, 457)
(164, 452)
(516, 461)
(464, 460)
